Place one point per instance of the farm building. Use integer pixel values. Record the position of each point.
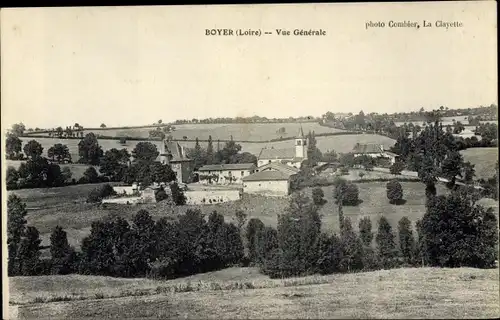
(291, 156)
(272, 179)
(374, 151)
(225, 173)
(174, 155)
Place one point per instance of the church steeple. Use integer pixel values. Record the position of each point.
(301, 145)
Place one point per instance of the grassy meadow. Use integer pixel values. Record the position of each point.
(223, 131)
(397, 293)
(484, 159)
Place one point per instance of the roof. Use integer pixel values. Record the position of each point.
(175, 150)
(271, 153)
(229, 166)
(279, 167)
(368, 148)
(268, 175)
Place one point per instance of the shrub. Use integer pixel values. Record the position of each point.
(394, 191)
(397, 167)
(348, 192)
(160, 195)
(317, 195)
(100, 193)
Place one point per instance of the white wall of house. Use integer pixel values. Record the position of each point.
(212, 196)
(236, 175)
(128, 190)
(271, 188)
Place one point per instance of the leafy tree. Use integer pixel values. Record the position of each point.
(16, 225)
(103, 125)
(210, 151)
(397, 167)
(406, 240)
(90, 175)
(346, 193)
(89, 150)
(100, 193)
(452, 167)
(97, 255)
(243, 157)
(386, 245)
(38, 172)
(18, 129)
(145, 151)
(267, 241)
(394, 191)
(352, 248)
(63, 256)
(177, 194)
(298, 230)
(59, 152)
(33, 149)
(227, 153)
(114, 164)
(254, 226)
(330, 254)
(162, 173)
(12, 178)
(317, 195)
(313, 153)
(468, 172)
(241, 218)
(29, 252)
(13, 146)
(365, 231)
(458, 232)
(197, 155)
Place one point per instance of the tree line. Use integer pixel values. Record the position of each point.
(454, 232)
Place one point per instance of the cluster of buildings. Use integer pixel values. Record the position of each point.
(271, 176)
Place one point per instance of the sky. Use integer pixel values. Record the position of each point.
(135, 65)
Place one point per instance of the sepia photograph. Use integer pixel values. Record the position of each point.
(257, 161)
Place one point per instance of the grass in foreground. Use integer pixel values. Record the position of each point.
(398, 293)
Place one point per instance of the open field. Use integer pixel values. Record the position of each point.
(484, 159)
(397, 293)
(66, 207)
(223, 131)
(341, 143)
(77, 169)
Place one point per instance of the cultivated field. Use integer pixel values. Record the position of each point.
(484, 159)
(239, 131)
(66, 207)
(398, 293)
(341, 143)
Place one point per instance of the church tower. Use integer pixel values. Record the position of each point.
(301, 145)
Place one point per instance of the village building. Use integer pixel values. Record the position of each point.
(231, 173)
(375, 151)
(290, 156)
(173, 154)
(272, 179)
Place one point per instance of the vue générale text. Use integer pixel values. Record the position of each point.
(260, 32)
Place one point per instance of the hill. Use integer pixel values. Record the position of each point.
(484, 159)
(341, 143)
(397, 293)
